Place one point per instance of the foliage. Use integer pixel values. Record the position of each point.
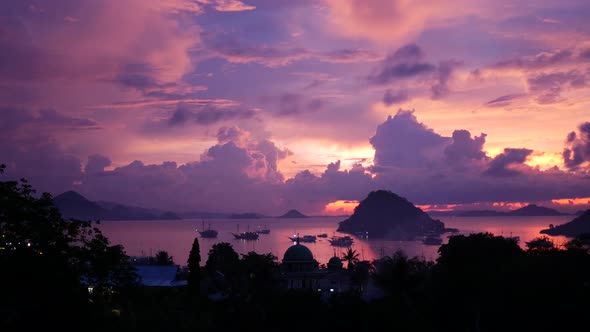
(48, 262)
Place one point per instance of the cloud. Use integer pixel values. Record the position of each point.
(504, 100)
(349, 56)
(503, 165)
(290, 104)
(464, 148)
(390, 20)
(402, 141)
(576, 153)
(207, 115)
(548, 87)
(237, 51)
(408, 63)
(228, 5)
(392, 97)
(40, 48)
(96, 164)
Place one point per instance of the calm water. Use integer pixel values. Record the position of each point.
(176, 236)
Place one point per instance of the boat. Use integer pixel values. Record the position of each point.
(322, 235)
(304, 238)
(207, 233)
(341, 241)
(432, 239)
(246, 235)
(263, 230)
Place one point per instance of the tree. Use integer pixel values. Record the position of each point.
(223, 258)
(48, 262)
(350, 256)
(194, 265)
(163, 258)
(261, 271)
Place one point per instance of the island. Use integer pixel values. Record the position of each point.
(73, 205)
(531, 210)
(579, 225)
(384, 214)
(293, 214)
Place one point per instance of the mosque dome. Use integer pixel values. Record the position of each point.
(334, 263)
(298, 253)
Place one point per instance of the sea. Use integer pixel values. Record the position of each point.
(147, 237)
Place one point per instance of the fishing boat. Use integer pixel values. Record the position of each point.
(304, 238)
(341, 241)
(264, 230)
(207, 233)
(248, 235)
(322, 235)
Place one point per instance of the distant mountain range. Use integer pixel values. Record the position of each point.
(73, 205)
(530, 210)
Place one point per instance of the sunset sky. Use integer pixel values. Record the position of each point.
(267, 105)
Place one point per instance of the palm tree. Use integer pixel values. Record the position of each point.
(350, 256)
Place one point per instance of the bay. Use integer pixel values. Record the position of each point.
(146, 237)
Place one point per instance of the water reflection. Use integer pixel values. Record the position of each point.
(176, 236)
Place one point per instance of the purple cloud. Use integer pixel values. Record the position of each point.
(392, 97)
(502, 164)
(503, 101)
(96, 164)
(577, 150)
(464, 148)
(402, 141)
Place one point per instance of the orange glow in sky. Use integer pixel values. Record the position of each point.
(340, 208)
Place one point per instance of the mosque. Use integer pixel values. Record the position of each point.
(299, 270)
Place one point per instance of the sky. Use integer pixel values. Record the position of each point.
(264, 105)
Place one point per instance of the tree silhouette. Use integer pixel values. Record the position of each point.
(163, 258)
(194, 266)
(48, 263)
(350, 256)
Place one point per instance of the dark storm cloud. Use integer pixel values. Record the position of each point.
(500, 166)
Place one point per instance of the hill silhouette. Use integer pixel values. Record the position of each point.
(293, 214)
(531, 210)
(579, 225)
(73, 205)
(385, 214)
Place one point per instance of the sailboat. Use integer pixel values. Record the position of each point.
(207, 233)
(248, 235)
(264, 230)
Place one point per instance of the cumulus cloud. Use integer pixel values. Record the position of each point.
(402, 141)
(96, 164)
(464, 148)
(577, 150)
(505, 164)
